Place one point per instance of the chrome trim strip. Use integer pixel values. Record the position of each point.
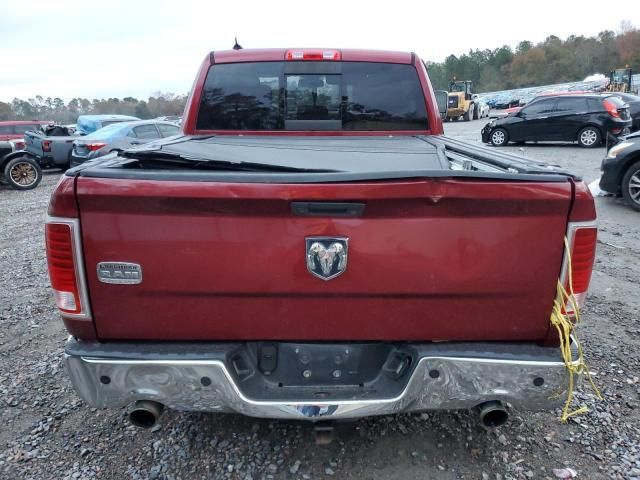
(222, 366)
(81, 279)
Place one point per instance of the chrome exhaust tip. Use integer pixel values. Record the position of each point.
(493, 414)
(145, 413)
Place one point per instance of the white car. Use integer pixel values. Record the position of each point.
(482, 109)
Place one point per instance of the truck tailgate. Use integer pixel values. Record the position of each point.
(433, 259)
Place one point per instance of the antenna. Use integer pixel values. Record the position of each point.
(237, 45)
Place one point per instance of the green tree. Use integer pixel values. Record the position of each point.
(6, 112)
(142, 110)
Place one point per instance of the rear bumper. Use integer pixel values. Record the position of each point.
(198, 377)
(617, 125)
(611, 175)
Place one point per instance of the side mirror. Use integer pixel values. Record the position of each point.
(441, 99)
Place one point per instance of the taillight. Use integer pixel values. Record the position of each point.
(92, 147)
(18, 145)
(582, 244)
(46, 145)
(611, 108)
(65, 267)
(313, 55)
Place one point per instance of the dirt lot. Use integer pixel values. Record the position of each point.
(46, 432)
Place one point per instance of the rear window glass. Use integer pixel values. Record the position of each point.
(595, 105)
(539, 106)
(168, 130)
(105, 132)
(571, 104)
(616, 101)
(312, 96)
(146, 131)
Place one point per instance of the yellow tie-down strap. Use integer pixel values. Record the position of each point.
(566, 325)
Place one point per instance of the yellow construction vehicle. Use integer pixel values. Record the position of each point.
(460, 102)
(620, 80)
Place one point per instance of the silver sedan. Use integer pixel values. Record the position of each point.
(119, 136)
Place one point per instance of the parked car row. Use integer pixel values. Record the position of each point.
(588, 119)
(521, 96)
(54, 146)
(51, 147)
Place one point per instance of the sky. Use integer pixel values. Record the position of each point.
(118, 48)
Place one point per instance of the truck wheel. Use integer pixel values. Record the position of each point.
(499, 137)
(589, 137)
(469, 114)
(476, 113)
(23, 173)
(631, 186)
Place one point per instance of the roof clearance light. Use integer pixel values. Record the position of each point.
(313, 55)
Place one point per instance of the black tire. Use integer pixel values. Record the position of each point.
(476, 112)
(631, 186)
(589, 137)
(469, 113)
(22, 173)
(499, 137)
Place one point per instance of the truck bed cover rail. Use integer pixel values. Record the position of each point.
(350, 159)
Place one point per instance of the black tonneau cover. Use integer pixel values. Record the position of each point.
(345, 158)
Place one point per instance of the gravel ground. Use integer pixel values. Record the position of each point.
(48, 433)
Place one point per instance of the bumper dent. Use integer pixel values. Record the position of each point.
(437, 382)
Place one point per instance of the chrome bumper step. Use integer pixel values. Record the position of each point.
(438, 381)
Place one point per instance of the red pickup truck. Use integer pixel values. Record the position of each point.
(313, 247)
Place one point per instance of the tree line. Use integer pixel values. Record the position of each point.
(552, 61)
(39, 108)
